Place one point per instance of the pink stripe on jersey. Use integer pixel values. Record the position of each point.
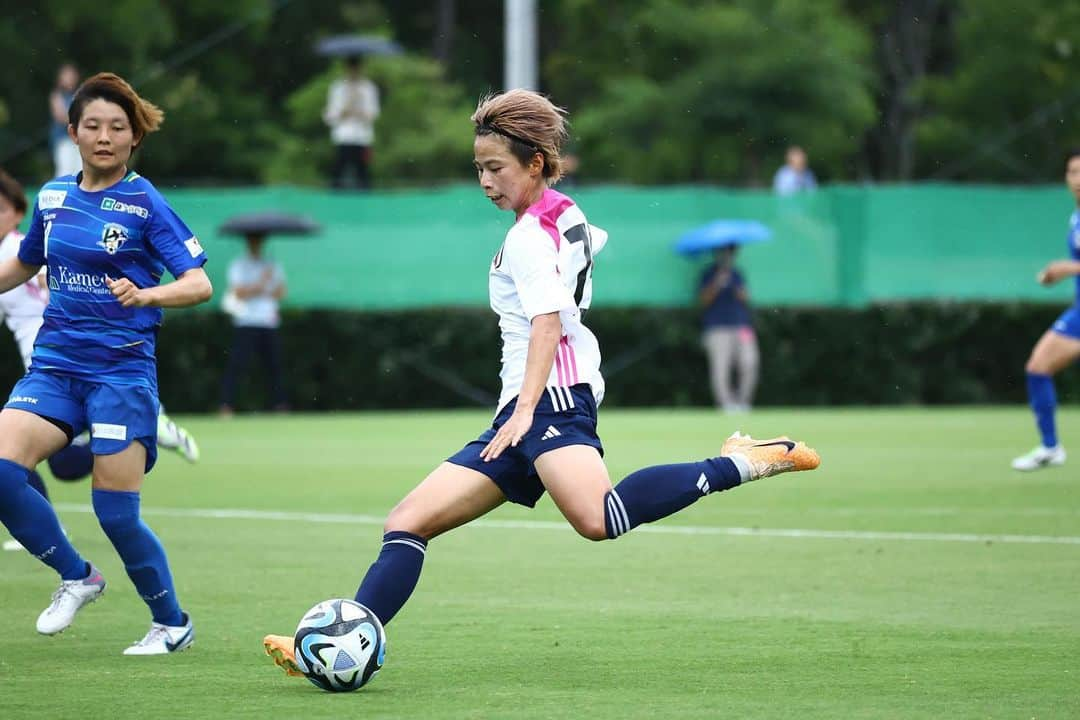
(559, 371)
(547, 210)
(572, 358)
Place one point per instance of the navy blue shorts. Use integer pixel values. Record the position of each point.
(1068, 324)
(116, 415)
(553, 427)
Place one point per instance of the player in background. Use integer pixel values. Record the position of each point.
(22, 309)
(1059, 347)
(107, 236)
(544, 436)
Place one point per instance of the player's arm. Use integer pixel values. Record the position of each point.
(1058, 270)
(191, 288)
(14, 272)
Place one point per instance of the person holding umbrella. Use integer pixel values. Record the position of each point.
(352, 105)
(256, 286)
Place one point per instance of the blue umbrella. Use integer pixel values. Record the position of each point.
(353, 45)
(721, 233)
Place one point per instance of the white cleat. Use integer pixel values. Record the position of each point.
(68, 599)
(165, 639)
(1039, 458)
(13, 545)
(173, 437)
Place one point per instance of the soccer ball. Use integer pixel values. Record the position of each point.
(340, 645)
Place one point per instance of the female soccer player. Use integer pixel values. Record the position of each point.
(107, 236)
(544, 434)
(1059, 347)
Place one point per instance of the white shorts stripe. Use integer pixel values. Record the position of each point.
(554, 401)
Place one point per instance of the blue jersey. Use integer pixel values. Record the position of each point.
(1074, 246)
(126, 230)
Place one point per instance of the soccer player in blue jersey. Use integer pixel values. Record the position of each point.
(1059, 347)
(543, 438)
(106, 236)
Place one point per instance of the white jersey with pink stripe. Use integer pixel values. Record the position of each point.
(545, 266)
(23, 304)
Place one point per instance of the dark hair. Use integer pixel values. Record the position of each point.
(144, 116)
(1070, 154)
(13, 191)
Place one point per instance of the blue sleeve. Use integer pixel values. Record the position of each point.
(32, 246)
(173, 241)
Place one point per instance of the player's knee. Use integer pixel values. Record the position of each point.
(407, 517)
(590, 526)
(115, 513)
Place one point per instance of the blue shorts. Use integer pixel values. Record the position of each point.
(1068, 324)
(552, 428)
(116, 415)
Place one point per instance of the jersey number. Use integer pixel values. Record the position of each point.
(580, 234)
(45, 239)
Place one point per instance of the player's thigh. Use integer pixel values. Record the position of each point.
(577, 480)
(449, 497)
(1053, 353)
(27, 439)
(123, 471)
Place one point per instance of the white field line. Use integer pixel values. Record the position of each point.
(345, 519)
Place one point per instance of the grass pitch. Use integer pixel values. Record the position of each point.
(914, 575)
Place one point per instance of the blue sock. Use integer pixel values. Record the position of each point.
(393, 576)
(144, 558)
(1043, 401)
(72, 463)
(658, 491)
(34, 480)
(31, 520)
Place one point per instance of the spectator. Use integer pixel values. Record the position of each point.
(256, 286)
(351, 108)
(794, 176)
(65, 153)
(728, 332)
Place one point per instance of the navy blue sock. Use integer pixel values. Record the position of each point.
(72, 463)
(34, 480)
(1043, 401)
(393, 576)
(658, 491)
(31, 520)
(142, 553)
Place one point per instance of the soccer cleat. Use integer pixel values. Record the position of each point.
(765, 458)
(165, 639)
(173, 437)
(280, 649)
(68, 599)
(1039, 458)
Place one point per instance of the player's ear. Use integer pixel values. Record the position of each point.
(73, 134)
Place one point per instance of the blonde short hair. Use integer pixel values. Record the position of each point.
(529, 122)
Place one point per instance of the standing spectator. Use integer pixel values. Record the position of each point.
(794, 176)
(65, 153)
(351, 108)
(728, 332)
(256, 286)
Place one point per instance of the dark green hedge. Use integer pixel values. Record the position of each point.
(918, 353)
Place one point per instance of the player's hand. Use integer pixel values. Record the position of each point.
(1053, 272)
(127, 293)
(509, 434)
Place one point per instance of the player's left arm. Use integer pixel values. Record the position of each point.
(191, 288)
(1058, 270)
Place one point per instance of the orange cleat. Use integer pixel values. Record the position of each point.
(766, 458)
(280, 648)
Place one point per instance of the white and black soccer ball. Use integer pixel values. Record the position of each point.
(340, 645)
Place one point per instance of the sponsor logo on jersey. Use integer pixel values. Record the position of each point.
(113, 237)
(23, 399)
(108, 431)
(51, 198)
(77, 282)
(120, 206)
(193, 246)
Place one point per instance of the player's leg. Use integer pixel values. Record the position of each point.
(1052, 353)
(173, 437)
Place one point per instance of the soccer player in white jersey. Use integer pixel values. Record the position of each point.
(22, 309)
(544, 436)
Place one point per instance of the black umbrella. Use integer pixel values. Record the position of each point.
(353, 45)
(269, 223)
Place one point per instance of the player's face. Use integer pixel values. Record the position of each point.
(9, 218)
(104, 136)
(1072, 177)
(505, 181)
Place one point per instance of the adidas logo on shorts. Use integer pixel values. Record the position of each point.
(550, 433)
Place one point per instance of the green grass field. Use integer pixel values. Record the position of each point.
(927, 580)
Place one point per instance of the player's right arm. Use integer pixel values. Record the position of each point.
(1058, 270)
(14, 272)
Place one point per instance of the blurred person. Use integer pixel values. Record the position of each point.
(256, 288)
(65, 153)
(352, 105)
(1059, 347)
(107, 236)
(728, 332)
(543, 438)
(794, 176)
(22, 309)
